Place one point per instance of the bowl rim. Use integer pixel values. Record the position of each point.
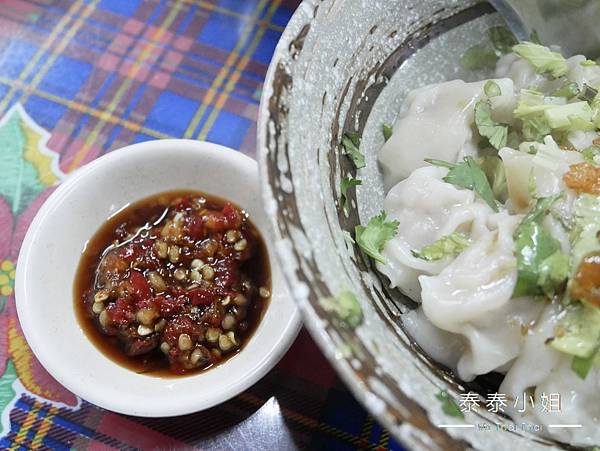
(259, 366)
(285, 59)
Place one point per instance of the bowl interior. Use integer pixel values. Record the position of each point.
(343, 67)
(52, 249)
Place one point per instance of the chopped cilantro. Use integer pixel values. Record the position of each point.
(502, 39)
(446, 245)
(449, 406)
(347, 182)
(533, 246)
(345, 306)
(542, 58)
(497, 134)
(588, 63)
(373, 237)
(582, 365)
(482, 56)
(479, 57)
(493, 167)
(491, 89)
(351, 143)
(468, 175)
(387, 131)
(535, 38)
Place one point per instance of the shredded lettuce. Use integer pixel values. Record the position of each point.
(534, 245)
(535, 128)
(568, 90)
(542, 58)
(447, 245)
(553, 273)
(591, 154)
(351, 143)
(539, 119)
(558, 116)
(373, 237)
(578, 333)
(345, 306)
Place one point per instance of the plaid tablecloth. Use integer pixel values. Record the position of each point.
(80, 78)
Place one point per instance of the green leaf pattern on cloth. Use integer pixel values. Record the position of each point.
(28, 167)
(7, 392)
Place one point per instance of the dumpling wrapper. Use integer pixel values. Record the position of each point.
(436, 122)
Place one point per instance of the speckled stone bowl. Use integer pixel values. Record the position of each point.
(346, 65)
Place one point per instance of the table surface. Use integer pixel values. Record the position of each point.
(81, 78)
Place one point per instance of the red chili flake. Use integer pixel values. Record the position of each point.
(233, 216)
(200, 296)
(195, 228)
(141, 287)
(184, 204)
(120, 312)
(130, 252)
(180, 325)
(170, 306)
(226, 273)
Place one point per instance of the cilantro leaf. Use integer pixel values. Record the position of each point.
(449, 406)
(468, 175)
(496, 133)
(533, 246)
(582, 365)
(351, 143)
(373, 237)
(491, 89)
(553, 272)
(479, 57)
(542, 58)
(345, 306)
(346, 183)
(535, 37)
(387, 131)
(493, 167)
(502, 39)
(591, 154)
(446, 245)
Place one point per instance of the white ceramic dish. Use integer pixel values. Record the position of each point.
(51, 252)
